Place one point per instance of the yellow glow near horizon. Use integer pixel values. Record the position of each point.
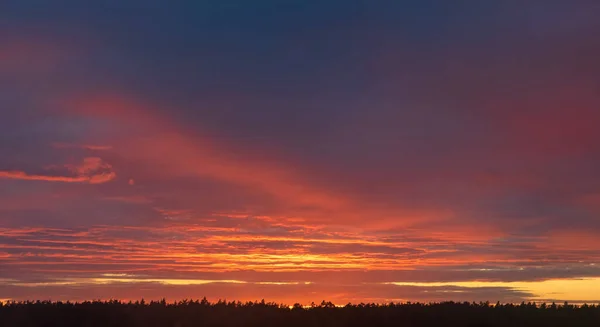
(580, 289)
(283, 283)
(164, 281)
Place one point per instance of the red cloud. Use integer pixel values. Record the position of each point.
(173, 149)
(24, 176)
(92, 170)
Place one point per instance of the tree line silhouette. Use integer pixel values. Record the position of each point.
(222, 313)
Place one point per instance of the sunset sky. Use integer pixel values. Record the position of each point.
(298, 151)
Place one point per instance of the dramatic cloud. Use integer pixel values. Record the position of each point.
(24, 176)
(345, 150)
(93, 171)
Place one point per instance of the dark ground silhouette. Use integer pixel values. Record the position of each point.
(202, 313)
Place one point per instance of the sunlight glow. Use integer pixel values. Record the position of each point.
(581, 289)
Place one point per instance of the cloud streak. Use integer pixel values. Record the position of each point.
(24, 176)
(338, 152)
(91, 147)
(93, 171)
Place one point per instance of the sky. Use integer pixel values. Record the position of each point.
(298, 151)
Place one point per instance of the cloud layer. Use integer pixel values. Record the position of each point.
(346, 151)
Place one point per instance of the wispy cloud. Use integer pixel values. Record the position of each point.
(93, 147)
(350, 159)
(24, 176)
(93, 170)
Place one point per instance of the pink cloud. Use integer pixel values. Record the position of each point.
(168, 148)
(93, 171)
(24, 176)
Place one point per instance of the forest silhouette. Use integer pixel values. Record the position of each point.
(222, 313)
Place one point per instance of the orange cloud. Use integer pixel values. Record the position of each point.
(24, 176)
(93, 171)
